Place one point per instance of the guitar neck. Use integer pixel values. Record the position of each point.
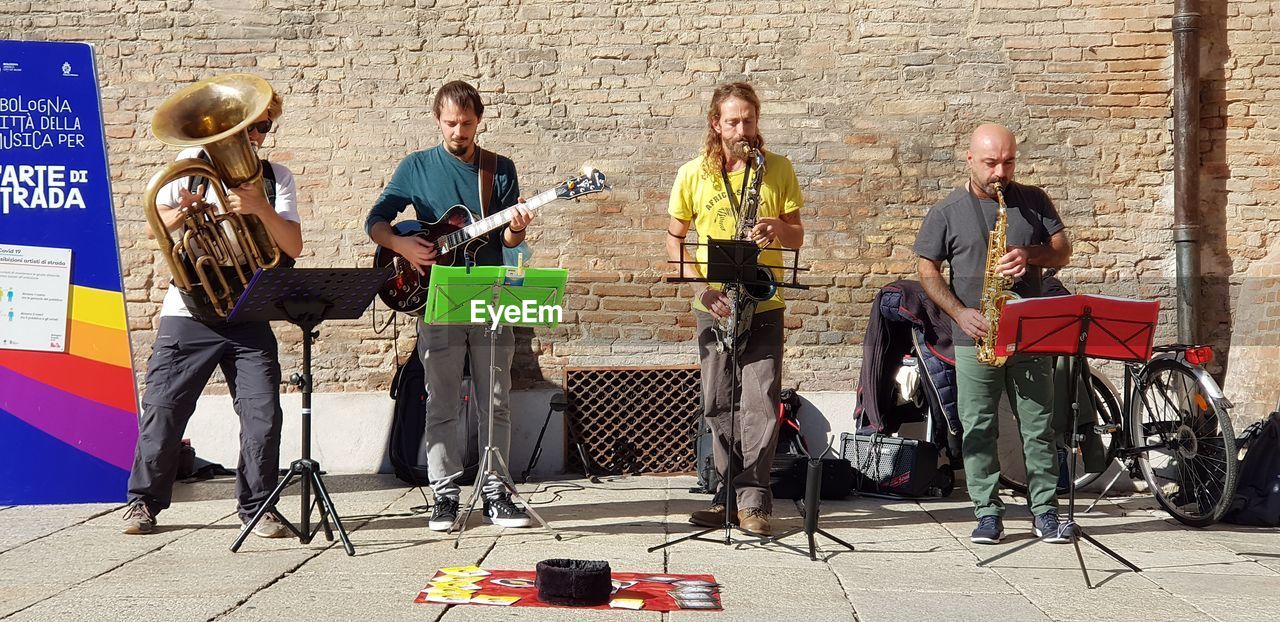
(500, 219)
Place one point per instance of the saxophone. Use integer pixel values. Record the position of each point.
(743, 297)
(995, 286)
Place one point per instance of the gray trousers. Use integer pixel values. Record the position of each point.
(755, 426)
(442, 349)
(185, 354)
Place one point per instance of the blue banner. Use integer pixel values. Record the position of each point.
(68, 420)
(53, 158)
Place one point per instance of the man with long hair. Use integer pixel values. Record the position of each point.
(432, 181)
(708, 193)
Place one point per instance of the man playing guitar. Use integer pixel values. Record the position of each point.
(433, 181)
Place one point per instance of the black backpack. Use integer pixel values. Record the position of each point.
(409, 421)
(1257, 500)
(409, 390)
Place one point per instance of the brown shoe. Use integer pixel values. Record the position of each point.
(756, 521)
(138, 519)
(270, 527)
(710, 517)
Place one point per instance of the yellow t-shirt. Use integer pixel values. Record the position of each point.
(701, 198)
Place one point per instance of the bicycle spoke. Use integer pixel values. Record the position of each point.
(1210, 495)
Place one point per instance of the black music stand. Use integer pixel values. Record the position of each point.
(557, 405)
(1080, 326)
(306, 297)
(733, 263)
(812, 502)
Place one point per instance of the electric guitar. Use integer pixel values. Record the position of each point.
(457, 235)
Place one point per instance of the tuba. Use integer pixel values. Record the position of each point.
(743, 297)
(214, 254)
(995, 286)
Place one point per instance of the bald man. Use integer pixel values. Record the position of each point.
(956, 231)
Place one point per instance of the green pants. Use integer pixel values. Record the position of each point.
(1029, 383)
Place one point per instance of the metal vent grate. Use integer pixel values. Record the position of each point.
(633, 419)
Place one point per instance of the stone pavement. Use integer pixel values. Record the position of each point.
(913, 561)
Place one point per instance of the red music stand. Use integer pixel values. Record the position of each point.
(1101, 327)
(1081, 327)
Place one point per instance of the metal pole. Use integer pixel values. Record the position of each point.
(1186, 165)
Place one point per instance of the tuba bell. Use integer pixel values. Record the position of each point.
(215, 254)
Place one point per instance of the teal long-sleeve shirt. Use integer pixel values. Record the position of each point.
(432, 181)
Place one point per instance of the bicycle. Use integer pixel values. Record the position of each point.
(1176, 433)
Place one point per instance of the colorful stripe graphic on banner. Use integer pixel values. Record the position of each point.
(68, 407)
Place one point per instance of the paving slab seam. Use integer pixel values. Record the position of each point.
(994, 571)
(64, 528)
(848, 597)
(88, 579)
(353, 528)
(274, 581)
(493, 544)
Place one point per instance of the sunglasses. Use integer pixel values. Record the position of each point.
(261, 127)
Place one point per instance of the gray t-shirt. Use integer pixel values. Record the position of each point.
(952, 232)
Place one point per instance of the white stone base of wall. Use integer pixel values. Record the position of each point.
(350, 430)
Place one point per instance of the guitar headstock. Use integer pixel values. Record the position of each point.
(590, 182)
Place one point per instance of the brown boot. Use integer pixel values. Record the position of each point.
(756, 521)
(710, 517)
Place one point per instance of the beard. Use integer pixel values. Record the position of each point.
(742, 147)
(458, 149)
(988, 187)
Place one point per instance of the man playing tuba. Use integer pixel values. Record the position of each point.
(187, 350)
(956, 230)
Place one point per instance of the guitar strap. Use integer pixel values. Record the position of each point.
(488, 165)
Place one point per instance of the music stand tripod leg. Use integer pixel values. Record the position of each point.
(268, 506)
(322, 496)
(492, 464)
(464, 512)
(812, 510)
(515, 494)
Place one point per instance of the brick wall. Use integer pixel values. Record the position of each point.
(872, 100)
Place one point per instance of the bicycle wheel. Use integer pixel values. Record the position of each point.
(1013, 468)
(1186, 449)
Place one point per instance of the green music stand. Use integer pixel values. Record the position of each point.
(498, 297)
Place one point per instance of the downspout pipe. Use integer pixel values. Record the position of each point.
(1186, 166)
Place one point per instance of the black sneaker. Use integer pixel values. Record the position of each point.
(990, 531)
(443, 513)
(1048, 528)
(502, 512)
